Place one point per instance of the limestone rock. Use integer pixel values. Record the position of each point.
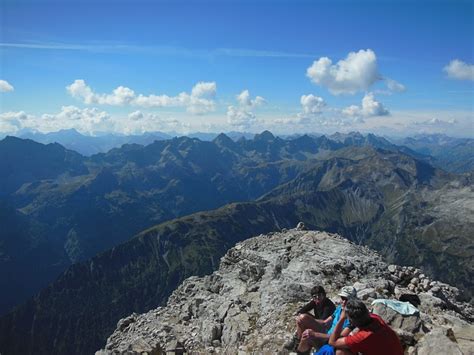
(300, 226)
(407, 323)
(465, 338)
(437, 342)
(248, 304)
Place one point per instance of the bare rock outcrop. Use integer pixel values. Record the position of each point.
(248, 304)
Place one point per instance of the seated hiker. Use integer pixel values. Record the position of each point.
(322, 308)
(317, 337)
(372, 336)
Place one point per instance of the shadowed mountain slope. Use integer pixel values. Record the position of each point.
(386, 200)
(81, 206)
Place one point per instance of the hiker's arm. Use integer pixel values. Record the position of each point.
(306, 308)
(346, 331)
(335, 339)
(311, 333)
(324, 322)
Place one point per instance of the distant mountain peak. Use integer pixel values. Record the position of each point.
(265, 136)
(224, 141)
(70, 132)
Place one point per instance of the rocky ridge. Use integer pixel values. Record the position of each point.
(248, 304)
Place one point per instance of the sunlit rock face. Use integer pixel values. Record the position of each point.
(248, 304)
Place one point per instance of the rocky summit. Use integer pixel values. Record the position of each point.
(248, 305)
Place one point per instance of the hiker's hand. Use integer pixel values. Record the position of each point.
(307, 334)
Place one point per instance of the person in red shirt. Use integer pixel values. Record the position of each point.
(374, 336)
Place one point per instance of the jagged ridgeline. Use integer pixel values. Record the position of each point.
(411, 212)
(71, 207)
(248, 305)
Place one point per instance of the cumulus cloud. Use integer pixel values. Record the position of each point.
(370, 107)
(311, 104)
(241, 115)
(89, 121)
(357, 72)
(204, 89)
(12, 122)
(85, 120)
(14, 116)
(72, 113)
(240, 118)
(5, 86)
(457, 69)
(199, 101)
(244, 100)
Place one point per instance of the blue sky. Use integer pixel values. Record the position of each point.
(249, 62)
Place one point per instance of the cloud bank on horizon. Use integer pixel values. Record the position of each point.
(199, 101)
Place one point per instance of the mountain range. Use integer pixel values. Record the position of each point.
(89, 145)
(363, 187)
(452, 154)
(449, 153)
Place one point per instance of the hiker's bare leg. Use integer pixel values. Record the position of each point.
(311, 339)
(305, 321)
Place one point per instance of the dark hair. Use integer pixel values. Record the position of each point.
(357, 312)
(316, 290)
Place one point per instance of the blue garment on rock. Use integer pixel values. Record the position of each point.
(335, 318)
(405, 308)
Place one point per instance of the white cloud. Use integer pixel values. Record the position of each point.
(200, 100)
(136, 115)
(88, 121)
(241, 115)
(311, 107)
(457, 69)
(436, 122)
(5, 86)
(11, 116)
(370, 107)
(204, 89)
(238, 117)
(244, 100)
(72, 113)
(394, 86)
(12, 122)
(318, 123)
(311, 104)
(85, 120)
(139, 122)
(355, 73)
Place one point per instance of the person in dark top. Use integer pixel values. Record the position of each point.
(322, 308)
